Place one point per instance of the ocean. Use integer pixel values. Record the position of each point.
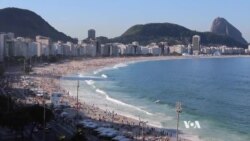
(214, 92)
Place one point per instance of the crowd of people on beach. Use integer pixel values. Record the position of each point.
(46, 77)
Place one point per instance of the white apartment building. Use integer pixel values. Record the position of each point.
(66, 50)
(114, 49)
(223, 50)
(166, 50)
(89, 50)
(54, 49)
(247, 51)
(21, 47)
(156, 51)
(72, 48)
(81, 50)
(130, 50)
(144, 50)
(43, 40)
(44, 45)
(105, 50)
(206, 50)
(180, 49)
(122, 49)
(135, 43)
(32, 49)
(58, 48)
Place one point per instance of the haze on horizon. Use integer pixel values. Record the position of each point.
(111, 18)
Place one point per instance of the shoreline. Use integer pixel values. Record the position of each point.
(100, 64)
(138, 59)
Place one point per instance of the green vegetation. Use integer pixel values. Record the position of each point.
(173, 34)
(35, 114)
(17, 118)
(26, 23)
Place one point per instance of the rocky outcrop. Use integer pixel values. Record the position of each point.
(221, 26)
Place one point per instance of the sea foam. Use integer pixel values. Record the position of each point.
(120, 65)
(120, 102)
(90, 82)
(104, 76)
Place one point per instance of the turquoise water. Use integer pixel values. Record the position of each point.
(214, 92)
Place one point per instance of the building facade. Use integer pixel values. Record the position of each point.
(196, 44)
(44, 45)
(4, 39)
(91, 34)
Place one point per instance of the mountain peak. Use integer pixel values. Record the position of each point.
(220, 18)
(26, 23)
(221, 26)
(173, 34)
(14, 9)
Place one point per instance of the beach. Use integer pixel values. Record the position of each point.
(47, 77)
(49, 81)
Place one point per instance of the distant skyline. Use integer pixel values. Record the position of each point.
(111, 18)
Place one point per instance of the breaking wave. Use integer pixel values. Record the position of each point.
(120, 65)
(120, 102)
(104, 76)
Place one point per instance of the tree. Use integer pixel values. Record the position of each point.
(36, 116)
(2, 70)
(23, 116)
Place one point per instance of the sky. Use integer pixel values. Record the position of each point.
(111, 18)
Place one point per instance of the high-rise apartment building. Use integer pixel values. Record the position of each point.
(91, 34)
(196, 44)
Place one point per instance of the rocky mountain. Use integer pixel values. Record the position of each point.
(173, 34)
(26, 23)
(221, 26)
